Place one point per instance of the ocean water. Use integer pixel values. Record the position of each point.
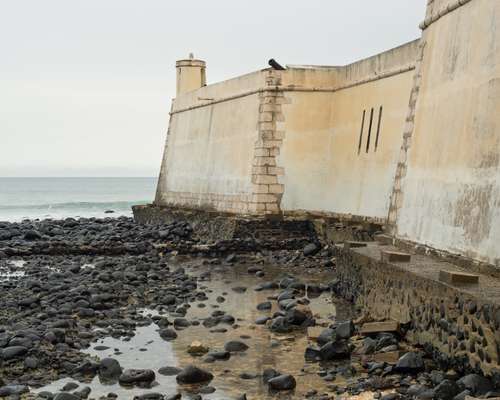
(40, 198)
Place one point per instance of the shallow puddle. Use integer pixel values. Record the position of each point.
(283, 352)
(12, 269)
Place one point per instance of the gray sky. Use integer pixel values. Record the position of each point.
(85, 85)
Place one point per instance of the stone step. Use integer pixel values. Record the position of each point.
(457, 278)
(394, 256)
(370, 328)
(350, 244)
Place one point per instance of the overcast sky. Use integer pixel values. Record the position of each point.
(85, 85)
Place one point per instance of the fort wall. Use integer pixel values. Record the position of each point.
(408, 137)
(334, 161)
(279, 141)
(209, 150)
(332, 155)
(407, 140)
(450, 189)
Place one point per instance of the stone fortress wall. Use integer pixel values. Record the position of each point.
(274, 141)
(450, 191)
(408, 138)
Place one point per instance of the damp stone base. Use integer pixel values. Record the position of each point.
(459, 324)
(211, 226)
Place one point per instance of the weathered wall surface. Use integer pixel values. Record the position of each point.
(328, 167)
(451, 192)
(208, 157)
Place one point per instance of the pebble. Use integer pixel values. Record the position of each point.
(235, 346)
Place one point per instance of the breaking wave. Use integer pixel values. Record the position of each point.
(74, 206)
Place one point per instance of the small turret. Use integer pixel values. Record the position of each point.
(190, 74)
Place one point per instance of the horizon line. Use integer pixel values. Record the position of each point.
(66, 177)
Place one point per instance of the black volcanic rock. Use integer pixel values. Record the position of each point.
(192, 374)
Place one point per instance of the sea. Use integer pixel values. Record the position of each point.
(57, 198)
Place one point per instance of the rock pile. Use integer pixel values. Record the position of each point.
(90, 236)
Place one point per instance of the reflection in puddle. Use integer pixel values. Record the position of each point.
(129, 355)
(242, 372)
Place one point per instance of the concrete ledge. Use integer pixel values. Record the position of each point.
(378, 327)
(351, 244)
(456, 278)
(466, 263)
(394, 256)
(459, 324)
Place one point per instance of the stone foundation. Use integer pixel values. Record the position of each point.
(460, 325)
(211, 226)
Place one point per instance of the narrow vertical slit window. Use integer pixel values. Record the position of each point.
(378, 127)
(361, 132)
(369, 131)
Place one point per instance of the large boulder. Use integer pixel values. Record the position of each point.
(192, 374)
(168, 334)
(296, 317)
(137, 377)
(327, 335)
(66, 396)
(11, 390)
(269, 373)
(310, 249)
(235, 346)
(150, 396)
(478, 385)
(110, 369)
(220, 355)
(12, 352)
(32, 235)
(335, 350)
(446, 390)
(369, 346)
(344, 330)
(312, 354)
(282, 382)
(410, 363)
(264, 306)
(169, 371)
(280, 325)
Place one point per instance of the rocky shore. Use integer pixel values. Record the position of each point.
(68, 285)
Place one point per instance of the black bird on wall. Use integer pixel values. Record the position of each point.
(273, 63)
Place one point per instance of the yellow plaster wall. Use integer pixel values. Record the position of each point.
(323, 170)
(208, 157)
(451, 192)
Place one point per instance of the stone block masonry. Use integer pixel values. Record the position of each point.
(267, 189)
(402, 165)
